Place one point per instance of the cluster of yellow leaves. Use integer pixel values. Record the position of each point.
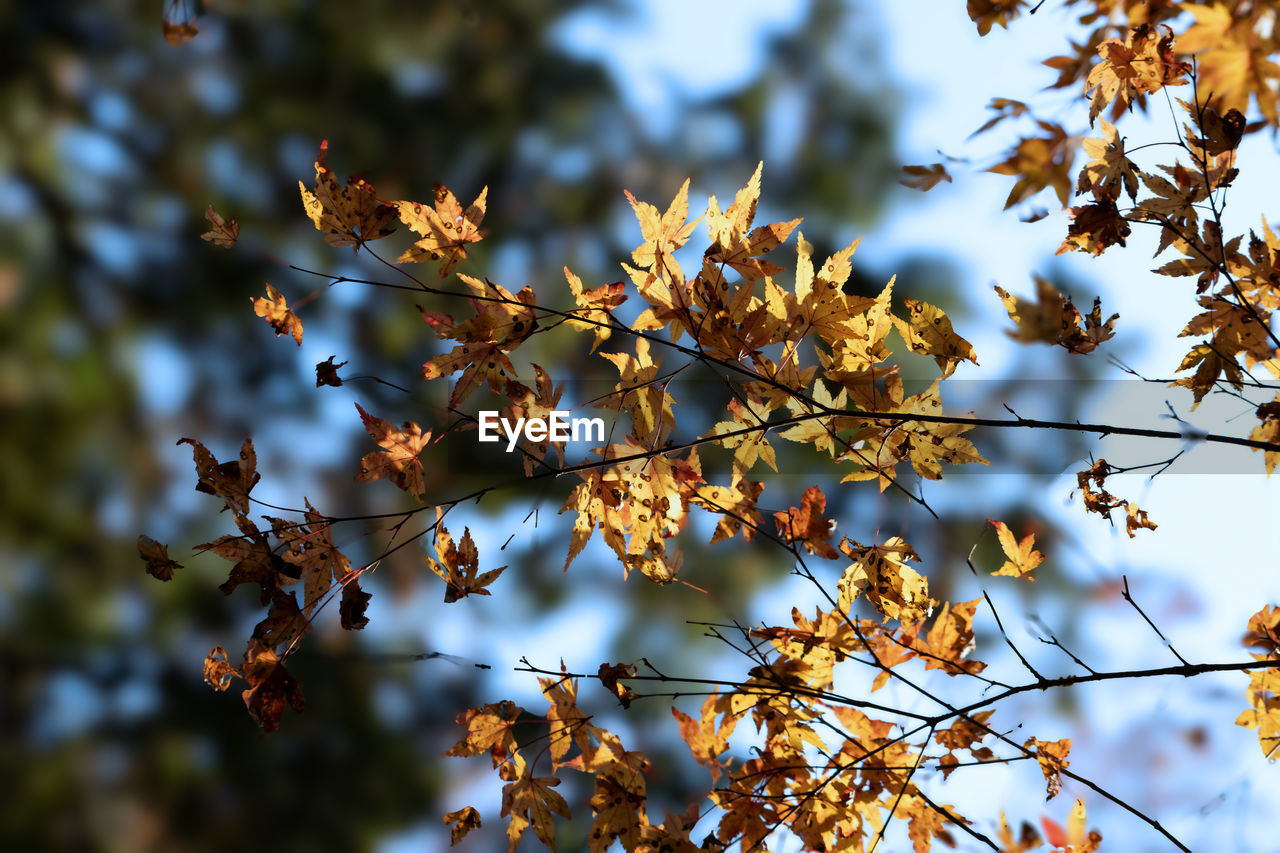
(833, 786)
(1235, 47)
(833, 791)
(736, 311)
(638, 503)
(1237, 317)
(1053, 319)
(827, 772)
(1263, 713)
(353, 215)
(1103, 502)
(574, 742)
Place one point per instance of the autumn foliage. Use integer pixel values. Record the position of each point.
(806, 361)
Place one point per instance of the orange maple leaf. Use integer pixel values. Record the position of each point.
(805, 524)
(399, 460)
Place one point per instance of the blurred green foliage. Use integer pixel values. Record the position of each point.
(123, 331)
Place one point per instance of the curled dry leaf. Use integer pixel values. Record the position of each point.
(924, 178)
(159, 566)
(327, 372)
(463, 821)
(275, 310)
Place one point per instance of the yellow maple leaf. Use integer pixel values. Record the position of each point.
(663, 233)
(648, 402)
(736, 504)
(881, 571)
(595, 305)
(1110, 169)
(446, 228)
(348, 215)
(489, 729)
(949, 641)
(929, 332)
(1022, 558)
(529, 800)
(728, 228)
(751, 446)
(820, 304)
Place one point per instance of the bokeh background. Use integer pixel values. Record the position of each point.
(124, 332)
